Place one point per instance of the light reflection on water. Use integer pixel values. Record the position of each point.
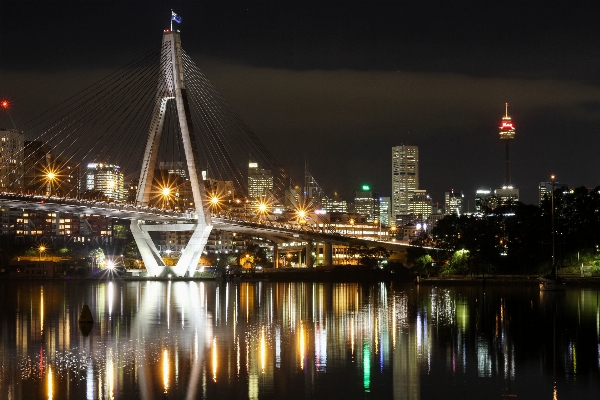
(296, 340)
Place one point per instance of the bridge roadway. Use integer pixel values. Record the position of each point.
(278, 232)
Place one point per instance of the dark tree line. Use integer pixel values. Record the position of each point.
(517, 238)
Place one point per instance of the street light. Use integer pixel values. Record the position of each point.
(41, 249)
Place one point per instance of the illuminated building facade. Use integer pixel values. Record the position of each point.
(420, 205)
(384, 210)
(405, 177)
(260, 181)
(453, 203)
(366, 203)
(105, 178)
(11, 159)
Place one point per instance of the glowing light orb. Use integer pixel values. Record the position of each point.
(262, 207)
(166, 191)
(214, 200)
(4, 104)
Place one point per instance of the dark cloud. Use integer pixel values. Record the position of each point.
(339, 83)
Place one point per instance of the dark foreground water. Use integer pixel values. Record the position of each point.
(262, 340)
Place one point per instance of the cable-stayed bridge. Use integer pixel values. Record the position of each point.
(158, 127)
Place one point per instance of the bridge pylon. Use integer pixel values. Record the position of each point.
(173, 88)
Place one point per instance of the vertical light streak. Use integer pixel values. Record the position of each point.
(226, 302)
(217, 306)
(165, 367)
(110, 299)
(366, 367)
(214, 358)
(376, 335)
(263, 350)
(394, 325)
(50, 384)
(89, 387)
(110, 375)
(301, 346)
(352, 334)
(278, 347)
(41, 310)
(238, 355)
(169, 305)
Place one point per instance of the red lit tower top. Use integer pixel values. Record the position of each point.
(507, 130)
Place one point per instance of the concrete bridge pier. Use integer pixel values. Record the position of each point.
(309, 250)
(275, 256)
(328, 254)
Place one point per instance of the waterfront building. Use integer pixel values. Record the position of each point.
(106, 179)
(11, 159)
(405, 177)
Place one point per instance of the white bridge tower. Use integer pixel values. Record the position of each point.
(172, 89)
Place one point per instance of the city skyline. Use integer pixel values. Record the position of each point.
(341, 85)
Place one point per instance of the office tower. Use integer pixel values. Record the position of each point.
(11, 159)
(453, 202)
(507, 134)
(483, 199)
(366, 203)
(260, 181)
(335, 205)
(384, 210)
(106, 179)
(405, 177)
(420, 205)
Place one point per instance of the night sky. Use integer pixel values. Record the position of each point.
(339, 83)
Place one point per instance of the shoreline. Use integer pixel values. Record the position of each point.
(349, 275)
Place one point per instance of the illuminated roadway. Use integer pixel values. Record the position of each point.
(271, 230)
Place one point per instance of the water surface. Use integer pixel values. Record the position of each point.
(266, 340)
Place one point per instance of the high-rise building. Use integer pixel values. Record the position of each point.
(11, 159)
(420, 205)
(453, 203)
(384, 211)
(260, 181)
(105, 178)
(405, 177)
(366, 203)
(483, 199)
(335, 205)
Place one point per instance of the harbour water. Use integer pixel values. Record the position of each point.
(268, 340)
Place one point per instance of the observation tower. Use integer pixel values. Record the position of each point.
(507, 134)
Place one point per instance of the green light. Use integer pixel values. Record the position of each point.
(366, 188)
(366, 367)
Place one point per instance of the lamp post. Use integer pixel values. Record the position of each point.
(41, 249)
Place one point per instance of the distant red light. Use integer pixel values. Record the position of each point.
(4, 104)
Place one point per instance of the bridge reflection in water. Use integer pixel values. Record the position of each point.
(294, 340)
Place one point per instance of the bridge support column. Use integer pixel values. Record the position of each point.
(275, 256)
(327, 253)
(309, 250)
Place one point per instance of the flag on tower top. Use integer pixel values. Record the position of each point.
(175, 17)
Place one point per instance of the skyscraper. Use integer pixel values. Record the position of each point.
(405, 177)
(11, 159)
(260, 181)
